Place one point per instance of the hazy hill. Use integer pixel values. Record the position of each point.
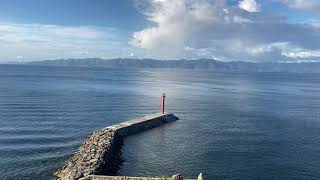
(186, 64)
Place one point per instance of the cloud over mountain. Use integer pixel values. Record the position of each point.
(227, 30)
(217, 29)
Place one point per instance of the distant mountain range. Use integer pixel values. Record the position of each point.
(234, 66)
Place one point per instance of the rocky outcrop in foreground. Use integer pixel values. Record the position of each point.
(99, 154)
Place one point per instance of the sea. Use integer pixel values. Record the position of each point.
(233, 125)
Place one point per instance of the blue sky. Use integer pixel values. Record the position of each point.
(227, 30)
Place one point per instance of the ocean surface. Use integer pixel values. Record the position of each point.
(232, 125)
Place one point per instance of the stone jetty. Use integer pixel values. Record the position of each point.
(174, 177)
(100, 153)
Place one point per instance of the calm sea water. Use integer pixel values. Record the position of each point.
(232, 125)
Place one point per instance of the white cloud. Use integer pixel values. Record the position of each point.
(308, 5)
(37, 32)
(173, 21)
(181, 23)
(206, 29)
(286, 49)
(314, 24)
(19, 57)
(188, 29)
(302, 54)
(267, 48)
(41, 41)
(249, 5)
(241, 20)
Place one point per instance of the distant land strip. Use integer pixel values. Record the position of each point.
(211, 64)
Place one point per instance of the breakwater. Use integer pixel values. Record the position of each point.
(174, 177)
(100, 154)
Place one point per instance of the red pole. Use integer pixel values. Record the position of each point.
(162, 102)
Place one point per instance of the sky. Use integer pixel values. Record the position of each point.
(225, 30)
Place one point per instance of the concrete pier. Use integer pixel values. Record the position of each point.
(100, 154)
(174, 177)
